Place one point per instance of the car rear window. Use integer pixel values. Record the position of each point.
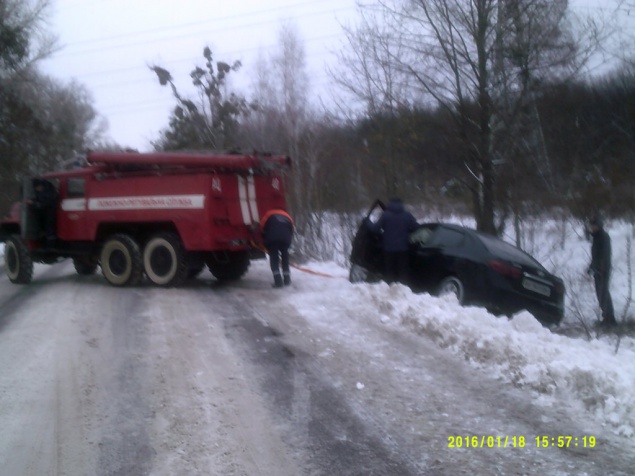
(422, 235)
(507, 251)
(448, 238)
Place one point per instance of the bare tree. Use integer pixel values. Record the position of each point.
(73, 123)
(617, 41)
(479, 60)
(289, 66)
(261, 130)
(366, 71)
(281, 120)
(285, 119)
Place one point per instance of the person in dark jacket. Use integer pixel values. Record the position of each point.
(600, 268)
(277, 233)
(395, 223)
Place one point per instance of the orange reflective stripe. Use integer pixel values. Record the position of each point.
(274, 212)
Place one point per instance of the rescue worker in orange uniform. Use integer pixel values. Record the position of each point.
(277, 229)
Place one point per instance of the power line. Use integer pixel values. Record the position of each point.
(134, 107)
(193, 34)
(192, 60)
(201, 22)
(318, 82)
(163, 105)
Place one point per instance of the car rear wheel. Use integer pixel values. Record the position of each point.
(452, 285)
(120, 261)
(18, 261)
(164, 260)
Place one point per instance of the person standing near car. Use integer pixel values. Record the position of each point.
(600, 269)
(277, 227)
(395, 223)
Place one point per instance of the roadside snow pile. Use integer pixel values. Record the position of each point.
(520, 351)
(598, 376)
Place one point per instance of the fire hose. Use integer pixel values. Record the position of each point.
(299, 268)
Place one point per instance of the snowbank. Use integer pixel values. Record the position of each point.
(597, 375)
(590, 375)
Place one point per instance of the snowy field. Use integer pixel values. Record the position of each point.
(594, 373)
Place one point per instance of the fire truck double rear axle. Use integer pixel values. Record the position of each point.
(165, 215)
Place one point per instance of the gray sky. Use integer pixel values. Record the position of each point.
(107, 45)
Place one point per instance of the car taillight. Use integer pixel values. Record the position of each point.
(505, 269)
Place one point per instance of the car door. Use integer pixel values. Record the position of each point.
(366, 249)
(425, 258)
(440, 255)
(72, 216)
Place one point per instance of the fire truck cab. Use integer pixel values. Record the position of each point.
(162, 215)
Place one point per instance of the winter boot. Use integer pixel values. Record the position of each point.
(277, 280)
(287, 279)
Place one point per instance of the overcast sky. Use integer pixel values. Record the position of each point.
(108, 45)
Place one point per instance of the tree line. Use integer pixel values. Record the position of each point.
(472, 103)
(477, 104)
(43, 121)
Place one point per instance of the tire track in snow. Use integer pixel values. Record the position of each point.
(322, 424)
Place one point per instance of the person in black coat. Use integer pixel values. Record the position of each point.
(277, 233)
(600, 268)
(395, 223)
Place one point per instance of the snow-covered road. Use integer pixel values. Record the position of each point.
(323, 377)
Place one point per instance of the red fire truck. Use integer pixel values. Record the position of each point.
(165, 215)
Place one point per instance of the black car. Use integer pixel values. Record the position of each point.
(478, 268)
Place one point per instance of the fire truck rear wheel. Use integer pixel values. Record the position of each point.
(164, 260)
(232, 268)
(18, 261)
(120, 261)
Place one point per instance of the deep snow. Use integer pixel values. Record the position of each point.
(596, 380)
(594, 373)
